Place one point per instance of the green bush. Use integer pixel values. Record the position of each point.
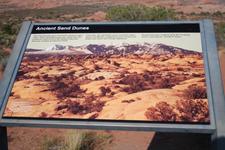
(6, 41)
(205, 14)
(8, 31)
(139, 13)
(2, 54)
(7, 37)
(218, 14)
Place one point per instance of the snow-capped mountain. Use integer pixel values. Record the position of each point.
(69, 48)
(62, 49)
(102, 49)
(79, 49)
(56, 47)
(146, 48)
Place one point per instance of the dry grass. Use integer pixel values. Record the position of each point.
(77, 140)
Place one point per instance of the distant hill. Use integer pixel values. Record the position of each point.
(146, 48)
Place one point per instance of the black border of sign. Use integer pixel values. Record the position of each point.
(20, 46)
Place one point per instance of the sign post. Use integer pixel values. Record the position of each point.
(3, 138)
(145, 76)
(218, 137)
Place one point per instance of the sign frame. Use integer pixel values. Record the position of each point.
(212, 73)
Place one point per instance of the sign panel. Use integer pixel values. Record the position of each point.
(151, 73)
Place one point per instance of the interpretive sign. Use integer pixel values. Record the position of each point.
(139, 75)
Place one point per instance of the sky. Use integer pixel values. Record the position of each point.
(189, 41)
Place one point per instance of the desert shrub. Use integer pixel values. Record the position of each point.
(218, 14)
(116, 64)
(204, 13)
(100, 78)
(148, 80)
(3, 59)
(137, 12)
(104, 90)
(180, 69)
(8, 32)
(195, 92)
(91, 104)
(86, 140)
(43, 115)
(161, 112)
(149, 76)
(60, 107)
(77, 140)
(49, 143)
(9, 28)
(89, 141)
(137, 82)
(74, 107)
(73, 140)
(197, 75)
(192, 13)
(66, 90)
(220, 33)
(94, 116)
(139, 86)
(166, 83)
(97, 67)
(195, 110)
(128, 101)
(131, 79)
(3, 62)
(3, 54)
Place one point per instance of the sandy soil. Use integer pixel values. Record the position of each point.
(23, 138)
(120, 139)
(130, 87)
(131, 140)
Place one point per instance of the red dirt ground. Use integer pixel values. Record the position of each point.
(179, 5)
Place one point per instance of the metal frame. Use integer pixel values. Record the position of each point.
(3, 138)
(212, 78)
(218, 137)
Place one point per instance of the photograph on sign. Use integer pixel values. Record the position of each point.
(75, 72)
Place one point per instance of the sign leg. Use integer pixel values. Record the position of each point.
(218, 142)
(3, 138)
